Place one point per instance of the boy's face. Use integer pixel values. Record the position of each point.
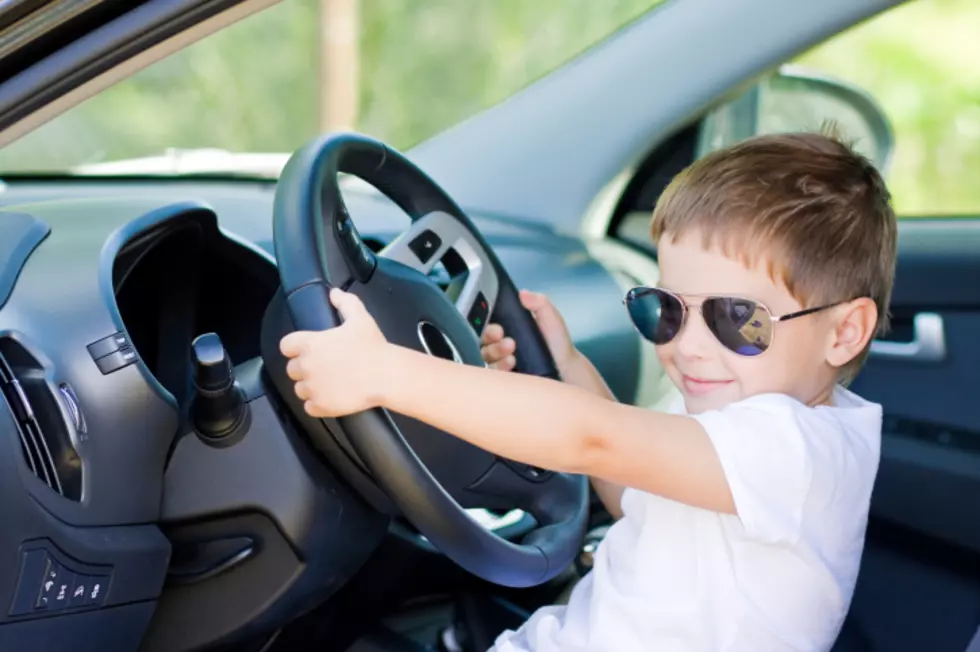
(709, 375)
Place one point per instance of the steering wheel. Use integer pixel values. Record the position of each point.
(429, 476)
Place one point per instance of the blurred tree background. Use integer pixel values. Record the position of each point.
(403, 70)
(919, 62)
(422, 65)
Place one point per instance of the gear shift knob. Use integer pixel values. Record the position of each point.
(218, 409)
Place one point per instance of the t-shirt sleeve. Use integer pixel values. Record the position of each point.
(761, 443)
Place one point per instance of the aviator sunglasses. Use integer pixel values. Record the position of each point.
(743, 326)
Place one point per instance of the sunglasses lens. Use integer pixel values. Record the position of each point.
(741, 325)
(656, 314)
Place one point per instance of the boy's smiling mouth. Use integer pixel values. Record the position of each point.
(694, 386)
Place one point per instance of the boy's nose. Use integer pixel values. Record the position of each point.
(695, 340)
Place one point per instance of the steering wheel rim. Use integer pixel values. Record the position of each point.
(317, 248)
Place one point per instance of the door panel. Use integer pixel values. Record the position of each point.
(930, 468)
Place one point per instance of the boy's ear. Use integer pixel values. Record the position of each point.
(854, 326)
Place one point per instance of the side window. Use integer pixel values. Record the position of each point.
(903, 86)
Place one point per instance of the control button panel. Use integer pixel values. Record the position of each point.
(88, 590)
(359, 254)
(425, 245)
(55, 587)
(116, 360)
(108, 345)
(50, 582)
(113, 352)
(479, 313)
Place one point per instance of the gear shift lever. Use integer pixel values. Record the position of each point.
(218, 409)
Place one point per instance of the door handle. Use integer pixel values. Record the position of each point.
(928, 342)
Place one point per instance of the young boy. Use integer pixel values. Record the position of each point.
(743, 509)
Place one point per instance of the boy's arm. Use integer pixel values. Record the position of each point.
(611, 495)
(580, 372)
(558, 426)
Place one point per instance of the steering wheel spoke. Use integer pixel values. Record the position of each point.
(516, 484)
(439, 237)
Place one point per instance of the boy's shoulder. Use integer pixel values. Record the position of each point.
(846, 408)
(848, 421)
(782, 457)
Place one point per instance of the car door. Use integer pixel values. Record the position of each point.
(925, 373)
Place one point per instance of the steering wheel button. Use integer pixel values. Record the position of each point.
(359, 255)
(425, 245)
(364, 262)
(478, 313)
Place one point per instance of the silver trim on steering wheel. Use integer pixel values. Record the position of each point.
(432, 337)
(481, 277)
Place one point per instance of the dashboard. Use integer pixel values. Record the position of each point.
(122, 524)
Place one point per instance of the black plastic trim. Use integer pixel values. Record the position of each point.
(202, 560)
(120, 629)
(147, 225)
(104, 47)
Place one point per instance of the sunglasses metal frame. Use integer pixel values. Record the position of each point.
(643, 290)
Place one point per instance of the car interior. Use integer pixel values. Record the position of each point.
(163, 489)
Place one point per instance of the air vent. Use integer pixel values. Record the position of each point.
(44, 437)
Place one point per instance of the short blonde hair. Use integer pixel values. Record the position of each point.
(818, 213)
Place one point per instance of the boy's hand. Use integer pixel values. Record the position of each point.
(338, 371)
(498, 349)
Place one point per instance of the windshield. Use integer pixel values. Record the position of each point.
(244, 98)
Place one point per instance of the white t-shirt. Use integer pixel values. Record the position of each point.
(778, 576)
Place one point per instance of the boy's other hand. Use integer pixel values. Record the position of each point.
(338, 371)
(498, 349)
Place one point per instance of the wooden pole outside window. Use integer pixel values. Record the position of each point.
(338, 65)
